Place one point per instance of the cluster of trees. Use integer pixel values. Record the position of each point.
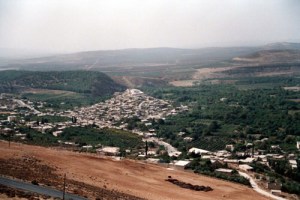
(223, 114)
(218, 112)
(134, 122)
(62, 101)
(286, 81)
(106, 137)
(86, 82)
(46, 119)
(36, 138)
(281, 172)
(82, 136)
(204, 166)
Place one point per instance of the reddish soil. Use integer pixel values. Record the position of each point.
(126, 179)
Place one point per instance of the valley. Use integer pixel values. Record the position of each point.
(222, 118)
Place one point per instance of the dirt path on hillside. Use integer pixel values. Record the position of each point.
(200, 75)
(205, 73)
(128, 176)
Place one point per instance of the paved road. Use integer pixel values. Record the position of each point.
(37, 189)
(170, 149)
(21, 103)
(257, 189)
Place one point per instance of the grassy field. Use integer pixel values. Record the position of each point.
(62, 100)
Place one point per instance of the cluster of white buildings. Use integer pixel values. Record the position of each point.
(131, 103)
(111, 113)
(224, 156)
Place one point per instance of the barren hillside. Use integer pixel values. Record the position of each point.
(126, 176)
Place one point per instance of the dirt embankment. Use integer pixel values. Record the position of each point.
(202, 74)
(104, 178)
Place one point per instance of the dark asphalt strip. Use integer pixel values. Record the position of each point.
(37, 189)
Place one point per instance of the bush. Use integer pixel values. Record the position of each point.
(291, 187)
(34, 182)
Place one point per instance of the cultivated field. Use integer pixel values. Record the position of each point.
(126, 176)
(46, 91)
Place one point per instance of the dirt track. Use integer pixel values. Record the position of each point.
(127, 176)
(200, 75)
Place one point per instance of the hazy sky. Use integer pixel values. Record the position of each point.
(80, 25)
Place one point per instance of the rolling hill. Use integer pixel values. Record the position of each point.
(270, 57)
(103, 60)
(85, 82)
(160, 66)
(148, 57)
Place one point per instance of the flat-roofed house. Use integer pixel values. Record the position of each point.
(245, 167)
(180, 164)
(224, 171)
(109, 151)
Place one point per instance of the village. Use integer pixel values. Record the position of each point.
(131, 103)
(109, 114)
(134, 103)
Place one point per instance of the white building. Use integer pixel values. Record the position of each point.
(57, 133)
(224, 171)
(109, 151)
(188, 139)
(229, 147)
(198, 151)
(175, 154)
(245, 167)
(293, 164)
(248, 160)
(11, 118)
(181, 163)
(135, 92)
(87, 147)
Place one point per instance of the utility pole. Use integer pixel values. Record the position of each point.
(9, 136)
(64, 191)
(146, 149)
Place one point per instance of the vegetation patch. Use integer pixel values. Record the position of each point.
(205, 167)
(106, 137)
(189, 186)
(83, 82)
(223, 114)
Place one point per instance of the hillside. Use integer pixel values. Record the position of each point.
(282, 46)
(84, 82)
(105, 59)
(148, 57)
(270, 56)
(266, 62)
(157, 67)
(106, 178)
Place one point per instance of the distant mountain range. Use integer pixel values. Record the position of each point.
(154, 67)
(102, 60)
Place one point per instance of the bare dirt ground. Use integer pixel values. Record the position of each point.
(202, 74)
(46, 91)
(134, 82)
(121, 177)
(6, 197)
(205, 73)
(183, 83)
